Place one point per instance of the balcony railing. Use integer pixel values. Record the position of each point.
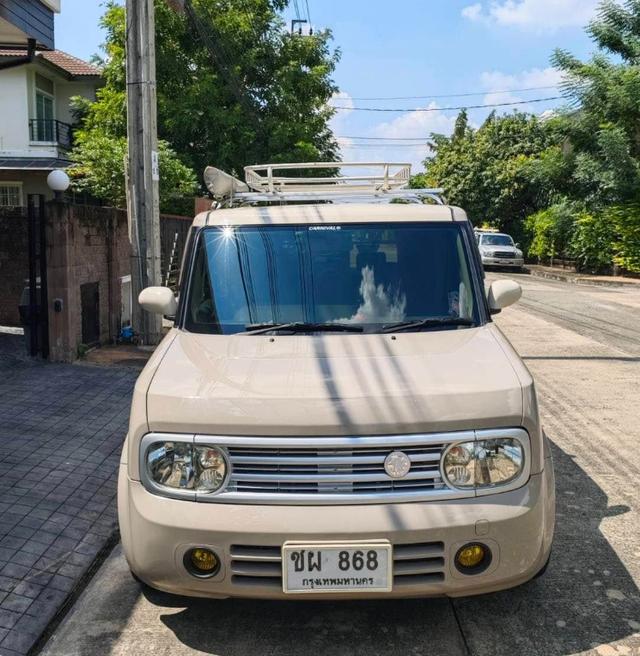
(51, 131)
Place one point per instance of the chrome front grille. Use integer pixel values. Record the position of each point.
(504, 254)
(416, 564)
(332, 470)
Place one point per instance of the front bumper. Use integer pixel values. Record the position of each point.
(511, 262)
(517, 526)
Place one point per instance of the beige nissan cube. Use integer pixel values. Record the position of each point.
(334, 413)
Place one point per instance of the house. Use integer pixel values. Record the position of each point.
(22, 21)
(36, 122)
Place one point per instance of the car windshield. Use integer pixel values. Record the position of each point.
(496, 240)
(369, 275)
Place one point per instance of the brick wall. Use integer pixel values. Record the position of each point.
(14, 265)
(85, 245)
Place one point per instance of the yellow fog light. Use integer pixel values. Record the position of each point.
(473, 558)
(201, 562)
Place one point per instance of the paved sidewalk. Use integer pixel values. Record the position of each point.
(566, 275)
(61, 430)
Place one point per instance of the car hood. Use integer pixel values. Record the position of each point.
(335, 384)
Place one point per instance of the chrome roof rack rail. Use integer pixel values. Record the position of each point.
(366, 182)
(369, 176)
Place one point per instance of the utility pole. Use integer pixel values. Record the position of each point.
(143, 202)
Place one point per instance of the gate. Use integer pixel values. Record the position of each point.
(34, 304)
(90, 311)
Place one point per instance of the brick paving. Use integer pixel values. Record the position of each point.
(61, 431)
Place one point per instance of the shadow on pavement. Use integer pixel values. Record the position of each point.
(586, 598)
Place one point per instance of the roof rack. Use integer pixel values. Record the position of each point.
(384, 176)
(269, 183)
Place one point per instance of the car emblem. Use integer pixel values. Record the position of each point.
(397, 464)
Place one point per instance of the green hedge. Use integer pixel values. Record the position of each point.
(625, 221)
(596, 240)
(550, 231)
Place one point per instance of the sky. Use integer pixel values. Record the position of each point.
(435, 49)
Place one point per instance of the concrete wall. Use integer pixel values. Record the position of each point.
(14, 110)
(65, 91)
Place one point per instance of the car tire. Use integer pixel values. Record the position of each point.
(543, 569)
(139, 581)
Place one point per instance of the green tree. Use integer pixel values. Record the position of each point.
(592, 241)
(550, 231)
(234, 88)
(601, 128)
(494, 172)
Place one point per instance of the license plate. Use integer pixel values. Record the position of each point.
(321, 567)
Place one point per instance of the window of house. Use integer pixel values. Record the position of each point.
(44, 124)
(10, 194)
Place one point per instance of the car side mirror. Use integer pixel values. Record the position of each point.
(517, 244)
(158, 300)
(502, 294)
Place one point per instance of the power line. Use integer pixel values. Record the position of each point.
(297, 7)
(444, 109)
(384, 145)
(306, 2)
(458, 95)
(386, 138)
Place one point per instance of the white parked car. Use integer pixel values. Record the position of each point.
(334, 411)
(499, 250)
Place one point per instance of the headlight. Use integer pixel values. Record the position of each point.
(487, 463)
(184, 466)
(488, 252)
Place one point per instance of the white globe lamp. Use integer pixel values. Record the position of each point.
(58, 182)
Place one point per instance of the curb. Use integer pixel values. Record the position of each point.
(75, 592)
(579, 280)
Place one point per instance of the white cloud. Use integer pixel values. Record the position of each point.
(498, 84)
(421, 124)
(473, 12)
(533, 14)
(410, 125)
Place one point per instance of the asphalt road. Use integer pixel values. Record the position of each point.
(583, 347)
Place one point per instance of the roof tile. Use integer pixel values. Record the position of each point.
(62, 60)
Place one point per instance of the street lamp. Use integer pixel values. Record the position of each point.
(58, 182)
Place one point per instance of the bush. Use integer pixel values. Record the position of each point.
(592, 242)
(550, 231)
(625, 221)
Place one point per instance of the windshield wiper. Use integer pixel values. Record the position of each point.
(302, 327)
(432, 322)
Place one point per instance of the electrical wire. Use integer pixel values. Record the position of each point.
(457, 95)
(385, 145)
(306, 2)
(385, 138)
(444, 109)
